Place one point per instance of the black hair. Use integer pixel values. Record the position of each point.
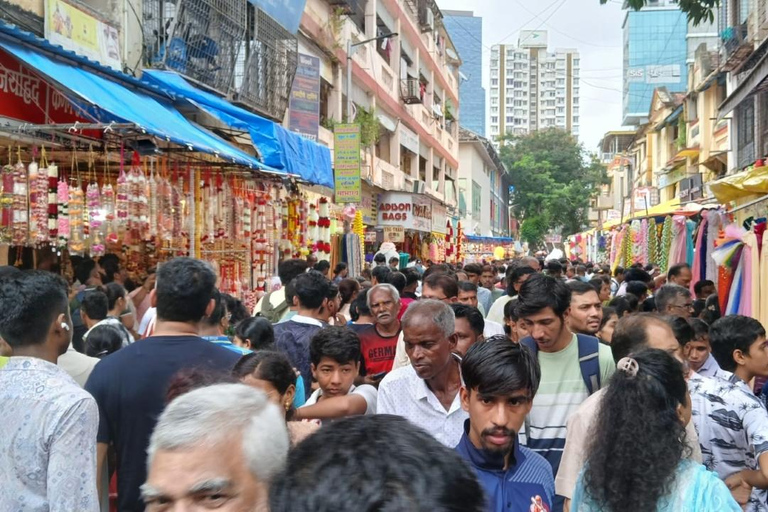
(380, 258)
(699, 286)
(312, 288)
(631, 334)
(290, 292)
(596, 283)
(467, 286)
(394, 259)
(444, 282)
(8, 271)
(700, 328)
(711, 311)
(577, 287)
(30, 302)
(333, 291)
(219, 309)
(289, 270)
(411, 276)
(95, 304)
(514, 275)
(113, 292)
(190, 379)
(554, 267)
(676, 270)
(398, 280)
(339, 268)
(110, 263)
(338, 343)
(473, 268)
(184, 289)
(682, 329)
(731, 333)
(608, 312)
(103, 340)
(637, 288)
(440, 268)
(83, 270)
(359, 306)
(363, 457)
(258, 330)
(510, 311)
(649, 305)
(540, 292)
(619, 271)
(348, 288)
(625, 304)
(639, 410)
(273, 367)
(637, 274)
(473, 316)
(498, 367)
(322, 266)
(381, 273)
(236, 309)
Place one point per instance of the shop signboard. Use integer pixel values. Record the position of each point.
(439, 218)
(346, 163)
(367, 207)
(305, 98)
(642, 199)
(410, 211)
(671, 178)
(370, 236)
(76, 30)
(612, 215)
(26, 98)
(394, 234)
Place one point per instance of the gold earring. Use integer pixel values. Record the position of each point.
(287, 405)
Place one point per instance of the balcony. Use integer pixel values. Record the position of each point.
(384, 75)
(411, 92)
(736, 46)
(347, 7)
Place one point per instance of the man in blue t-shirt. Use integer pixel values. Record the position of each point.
(500, 381)
(130, 385)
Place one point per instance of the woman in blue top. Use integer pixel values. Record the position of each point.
(637, 461)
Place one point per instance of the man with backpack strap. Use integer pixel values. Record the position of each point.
(273, 305)
(572, 366)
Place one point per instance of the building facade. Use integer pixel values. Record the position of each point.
(466, 31)
(655, 55)
(533, 88)
(483, 187)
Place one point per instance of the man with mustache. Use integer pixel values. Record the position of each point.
(500, 381)
(379, 340)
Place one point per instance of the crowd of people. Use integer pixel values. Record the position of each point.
(525, 385)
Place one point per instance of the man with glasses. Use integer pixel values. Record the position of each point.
(674, 300)
(379, 340)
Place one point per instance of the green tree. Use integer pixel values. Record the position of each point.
(696, 10)
(554, 180)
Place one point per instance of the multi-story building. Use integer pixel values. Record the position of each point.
(533, 88)
(483, 187)
(655, 55)
(466, 31)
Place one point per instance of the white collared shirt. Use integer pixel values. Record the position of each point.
(403, 393)
(308, 320)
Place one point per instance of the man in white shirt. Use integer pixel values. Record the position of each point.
(49, 423)
(427, 392)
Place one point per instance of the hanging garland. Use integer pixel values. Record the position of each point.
(666, 244)
(324, 230)
(20, 208)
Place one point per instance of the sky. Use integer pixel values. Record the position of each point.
(591, 28)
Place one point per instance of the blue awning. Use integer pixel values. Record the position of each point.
(113, 102)
(278, 147)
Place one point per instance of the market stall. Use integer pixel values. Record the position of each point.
(481, 248)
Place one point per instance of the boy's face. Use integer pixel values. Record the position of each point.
(697, 352)
(756, 361)
(335, 379)
(488, 279)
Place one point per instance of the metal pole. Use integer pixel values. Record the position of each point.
(349, 80)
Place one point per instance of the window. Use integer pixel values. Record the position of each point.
(510, 82)
(494, 81)
(494, 119)
(477, 199)
(510, 119)
(494, 101)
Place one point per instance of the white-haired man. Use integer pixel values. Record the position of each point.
(379, 340)
(427, 391)
(215, 447)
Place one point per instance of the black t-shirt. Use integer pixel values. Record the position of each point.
(130, 386)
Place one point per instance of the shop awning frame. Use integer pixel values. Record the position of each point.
(752, 84)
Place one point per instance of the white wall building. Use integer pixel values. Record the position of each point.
(533, 88)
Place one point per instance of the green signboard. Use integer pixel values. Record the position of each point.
(346, 162)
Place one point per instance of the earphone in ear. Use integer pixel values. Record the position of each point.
(65, 326)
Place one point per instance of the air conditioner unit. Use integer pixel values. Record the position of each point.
(418, 186)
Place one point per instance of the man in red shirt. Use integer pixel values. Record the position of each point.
(379, 340)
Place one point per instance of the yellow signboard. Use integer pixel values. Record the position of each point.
(76, 30)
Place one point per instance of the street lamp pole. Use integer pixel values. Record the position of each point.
(350, 46)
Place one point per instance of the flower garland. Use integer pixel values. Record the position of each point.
(20, 208)
(38, 200)
(358, 228)
(93, 202)
(323, 244)
(76, 216)
(154, 205)
(108, 198)
(7, 203)
(666, 244)
(260, 246)
(62, 213)
(52, 172)
(121, 206)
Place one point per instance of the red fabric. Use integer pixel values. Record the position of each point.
(404, 303)
(378, 351)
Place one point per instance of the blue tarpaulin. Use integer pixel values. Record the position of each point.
(114, 102)
(278, 147)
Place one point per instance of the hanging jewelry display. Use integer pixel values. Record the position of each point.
(38, 202)
(52, 171)
(6, 226)
(20, 234)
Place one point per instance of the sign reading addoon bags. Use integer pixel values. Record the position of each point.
(406, 210)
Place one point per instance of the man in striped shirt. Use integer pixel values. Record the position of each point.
(544, 308)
